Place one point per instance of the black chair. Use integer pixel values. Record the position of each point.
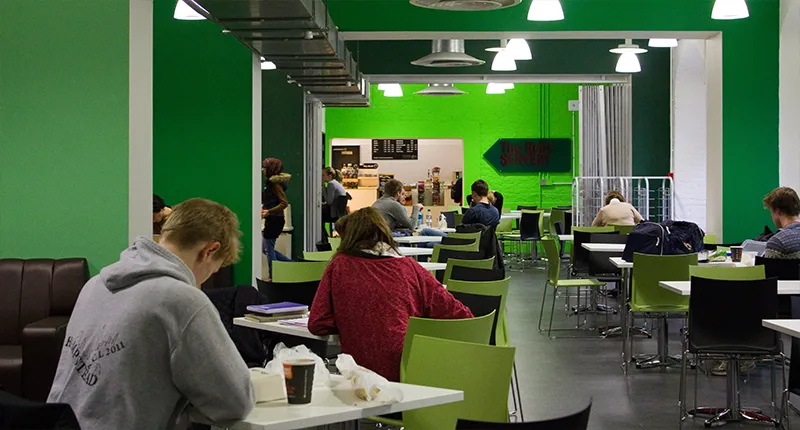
(324, 246)
(559, 230)
(576, 421)
(528, 232)
(223, 278)
(527, 208)
(784, 270)
(580, 255)
(456, 241)
(793, 386)
(481, 305)
(450, 217)
(19, 413)
(446, 254)
(567, 221)
(725, 322)
(297, 292)
(461, 273)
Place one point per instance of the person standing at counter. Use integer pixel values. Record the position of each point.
(333, 190)
(273, 202)
(395, 214)
(482, 211)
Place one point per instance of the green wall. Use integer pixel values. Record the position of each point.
(529, 110)
(64, 130)
(651, 87)
(283, 137)
(202, 119)
(750, 71)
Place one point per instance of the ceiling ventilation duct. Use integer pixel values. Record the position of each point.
(301, 39)
(465, 5)
(448, 53)
(441, 90)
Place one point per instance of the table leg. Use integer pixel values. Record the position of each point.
(662, 358)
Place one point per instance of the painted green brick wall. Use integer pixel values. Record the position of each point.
(283, 137)
(202, 118)
(530, 110)
(64, 130)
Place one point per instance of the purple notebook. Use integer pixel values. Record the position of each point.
(277, 308)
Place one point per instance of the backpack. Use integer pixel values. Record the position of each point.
(667, 238)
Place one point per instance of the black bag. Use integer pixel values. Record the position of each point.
(765, 236)
(667, 238)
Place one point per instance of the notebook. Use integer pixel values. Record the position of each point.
(277, 308)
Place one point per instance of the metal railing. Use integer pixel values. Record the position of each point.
(652, 196)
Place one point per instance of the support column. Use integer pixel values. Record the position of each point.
(789, 93)
(255, 167)
(714, 168)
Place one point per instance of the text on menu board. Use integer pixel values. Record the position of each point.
(395, 149)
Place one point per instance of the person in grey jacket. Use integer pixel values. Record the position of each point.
(143, 336)
(396, 215)
(332, 191)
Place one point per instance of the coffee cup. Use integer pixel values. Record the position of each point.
(299, 377)
(736, 253)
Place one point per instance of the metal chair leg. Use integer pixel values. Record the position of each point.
(544, 298)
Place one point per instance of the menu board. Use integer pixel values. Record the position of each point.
(395, 149)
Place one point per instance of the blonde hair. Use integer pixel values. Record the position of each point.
(199, 220)
(491, 197)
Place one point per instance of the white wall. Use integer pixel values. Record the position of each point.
(689, 130)
(448, 154)
(140, 119)
(789, 117)
(714, 181)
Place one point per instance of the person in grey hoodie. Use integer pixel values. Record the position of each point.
(142, 336)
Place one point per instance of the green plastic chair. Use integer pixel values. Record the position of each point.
(647, 295)
(488, 288)
(475, 264)
(553, 272)
(335, 242)
(476, 237)
(728, 273)
(710, 239)
(458, 217)
(623, 229)
(506, 210)
(456, 209)
(301, 271)
(318, 255)
(556, 215)
(482, 372)
(474, 330)
(438, 247)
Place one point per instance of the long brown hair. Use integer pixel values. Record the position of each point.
(614, 195)
(363, 229)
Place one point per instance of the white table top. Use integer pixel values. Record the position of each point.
(275, 327)
(566, 237)
(433, 266)
(410, 251)
(619, 263)
(790, 327)
(418, 239)
(604, 247)
(330, 405)
(511, 216)
(684, 288)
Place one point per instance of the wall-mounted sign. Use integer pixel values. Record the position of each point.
(530, 155)
(395, 149)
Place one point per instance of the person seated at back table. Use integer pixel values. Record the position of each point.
(616, 212)
(482, 211)
(784, 206)
(369, 291)
(143, 335)
(395, 214)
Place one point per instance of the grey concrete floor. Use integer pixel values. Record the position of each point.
(559, 376)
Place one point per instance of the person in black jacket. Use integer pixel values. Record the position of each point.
(273, 202)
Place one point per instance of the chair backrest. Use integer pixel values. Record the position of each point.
(297, 292)
(487, 263)
(323, 246)
(473, 330)
(527, 208)
(553, 260)
(475, 238)
(453, 365)
(530, 225)
(568, 221)
(450, 217)
(577, 421)
(607, 229)
(482, 305)
(794, 365)
(505, 226)
(335, 242)
(453, 241)
(710, 239)
(463, 273)
(490, 289)
(783, 269)
(458, 218)
(728, 273)
(301, 271)
(623, 229)
(442, 252)
(725, 316)
(318, 255)
(556, 215)
(652, 269)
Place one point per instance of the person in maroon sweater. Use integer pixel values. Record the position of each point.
(369, 291)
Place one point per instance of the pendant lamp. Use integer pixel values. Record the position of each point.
(504, 62)
(628, 62)
(545, 10)
(186, 13)
(662, 43)
(729, 9)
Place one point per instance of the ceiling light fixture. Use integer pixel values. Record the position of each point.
(730, 9)
(628, 62)
(519, 49)
(185, 13)
(507, 86)
(495, 88)
(545, 10)
(504, 62)
(503, 44)
(384, 87)
(393, 90)
(267, 65)
(662, 43)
